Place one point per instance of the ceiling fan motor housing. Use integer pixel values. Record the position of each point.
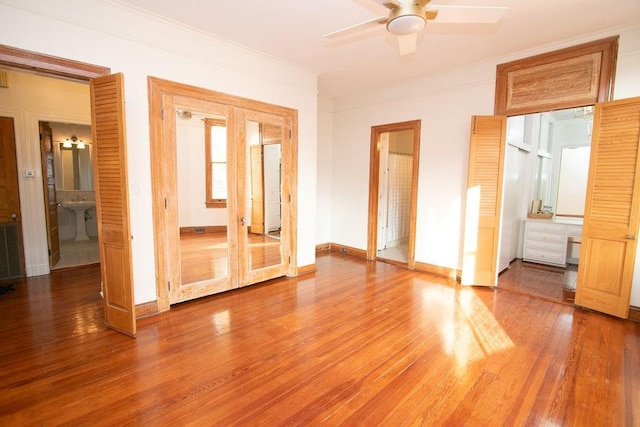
(406, 18)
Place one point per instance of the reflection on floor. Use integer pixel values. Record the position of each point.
(204, 256)
(73, 254)
(396, 253)
(553, 283)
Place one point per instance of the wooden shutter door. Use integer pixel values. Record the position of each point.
(484, 197)
(607, 254)
(112, 202)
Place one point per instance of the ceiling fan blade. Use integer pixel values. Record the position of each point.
(431, 14)
(346, 30)
(407, 44)
(423, 3)
(389, 4)
(468, 14)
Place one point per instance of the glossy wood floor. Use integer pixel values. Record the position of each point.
(357, 343)
(204, 256)
(543, 281)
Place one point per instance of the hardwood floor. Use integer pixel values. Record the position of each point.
(204, 256)
(357, 343)
(542, 281)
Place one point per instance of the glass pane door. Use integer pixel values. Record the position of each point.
(264, 232)
(199, 209)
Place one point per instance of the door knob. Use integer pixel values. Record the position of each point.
(243, 221)
(630, 236)
(14, 217)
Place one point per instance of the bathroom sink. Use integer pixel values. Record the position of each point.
(79, 207)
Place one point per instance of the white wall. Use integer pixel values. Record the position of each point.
(192, 210)
(108, 34)
(445, 104)
(325, 170)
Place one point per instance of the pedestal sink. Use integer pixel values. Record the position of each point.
(79, 207)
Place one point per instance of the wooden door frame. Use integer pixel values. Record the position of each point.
(52, 66)
(49, 66)
(374, 178)
(157, 88)
(519, 82)
(601, 91)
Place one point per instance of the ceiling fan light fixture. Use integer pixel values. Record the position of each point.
(407, 19)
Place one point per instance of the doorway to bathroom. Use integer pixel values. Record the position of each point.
(395, 149)
(69, 198)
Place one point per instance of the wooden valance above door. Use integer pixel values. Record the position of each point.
(572, 77)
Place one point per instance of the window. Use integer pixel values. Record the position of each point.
(216, 162)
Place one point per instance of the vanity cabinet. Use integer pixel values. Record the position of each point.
(545, 242)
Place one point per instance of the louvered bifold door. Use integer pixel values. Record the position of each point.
(607, 253)
(112, 202)
(484, 198)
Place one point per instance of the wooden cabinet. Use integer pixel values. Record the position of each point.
(545, 241)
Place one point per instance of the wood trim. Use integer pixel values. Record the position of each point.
(397, 263)
(374, 176)
(307, 269)
(209, 201)
(348, 250)
(159, 88)
(21, 59)
(436, 270)
(216, 205)
(146, 309)
(323, 247)
(196, 229)
(604, 52)
(634, 313)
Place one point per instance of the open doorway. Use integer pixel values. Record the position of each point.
(393, 185)
(546, 165)
(50, 111)
(69, 196)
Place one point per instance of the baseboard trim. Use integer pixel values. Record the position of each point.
(347, 250)
(323, 247)
(436, 270)
(203, 229)
(306, 269)
(146, 309)
(634, 313)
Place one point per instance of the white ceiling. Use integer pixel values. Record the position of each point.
(292, 30)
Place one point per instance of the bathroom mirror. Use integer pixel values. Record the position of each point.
(75, 171)
(72, 165)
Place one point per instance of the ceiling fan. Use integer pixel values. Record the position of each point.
(408, 17)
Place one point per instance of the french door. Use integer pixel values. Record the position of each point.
(240, 235)
(263, 181)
